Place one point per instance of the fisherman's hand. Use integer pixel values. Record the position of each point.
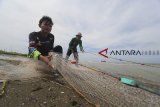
(46, 61)
(39, 44)
(49, 57)
(50, 66)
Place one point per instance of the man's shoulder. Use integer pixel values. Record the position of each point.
(51, 35)
(74, 38)
(38, 34)
(80, 41)
(34, 33)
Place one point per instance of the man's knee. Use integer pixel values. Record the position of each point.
(58, 49)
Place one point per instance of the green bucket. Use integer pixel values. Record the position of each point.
(128, 81)
(134, 83)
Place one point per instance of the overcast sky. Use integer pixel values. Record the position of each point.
(116, 24)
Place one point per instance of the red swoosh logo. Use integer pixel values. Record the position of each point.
(104, 51)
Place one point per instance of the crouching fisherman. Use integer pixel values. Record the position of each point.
(41, 43)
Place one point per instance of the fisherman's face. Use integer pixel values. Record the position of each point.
(46, 27)
(78, 37)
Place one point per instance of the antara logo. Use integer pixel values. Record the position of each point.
(125, 52)
(128, 52)
(104, 52)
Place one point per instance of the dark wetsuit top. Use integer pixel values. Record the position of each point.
(46, 42)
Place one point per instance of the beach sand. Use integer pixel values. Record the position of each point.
(31, 85)
(48, 90)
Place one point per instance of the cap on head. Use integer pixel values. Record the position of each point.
(79, 34)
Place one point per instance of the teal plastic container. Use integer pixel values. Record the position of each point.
(128, 81)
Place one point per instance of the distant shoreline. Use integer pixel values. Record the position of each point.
(12, 53)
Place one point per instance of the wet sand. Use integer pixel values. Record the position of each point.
(45, 90)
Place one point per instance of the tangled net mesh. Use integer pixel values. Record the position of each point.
(100, 89)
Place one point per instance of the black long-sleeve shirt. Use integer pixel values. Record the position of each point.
(46, 43)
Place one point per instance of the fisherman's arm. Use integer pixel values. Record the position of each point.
(80, 46)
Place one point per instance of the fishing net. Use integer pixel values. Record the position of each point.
(145, 74)
(12, 68)
(101, 89)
